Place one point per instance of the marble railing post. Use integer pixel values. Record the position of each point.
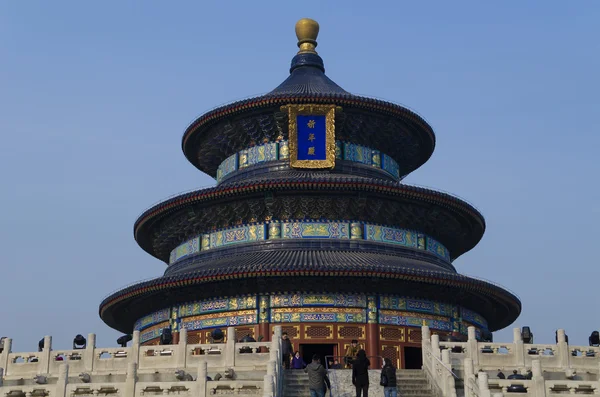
(130, 380)
(445, 375)
(4, 355)
(435, 345)
(482, 382)
(563, 349)
(539, 385)
(61, 382)
(88, 354)
(201, 379)
(425, 341)
(272, 371)
(472, 346)
(182, 348)
(46, 355)
(519, 348)
(268, 386)
(135, 347)
(468, 375)
(230, 348)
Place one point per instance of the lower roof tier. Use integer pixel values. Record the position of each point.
(298, 196)
(343, 272)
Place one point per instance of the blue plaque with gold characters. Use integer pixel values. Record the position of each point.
(311, 135)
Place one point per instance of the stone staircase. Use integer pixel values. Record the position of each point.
(411, 383)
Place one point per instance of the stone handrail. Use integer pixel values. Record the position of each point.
(117, 371)
(559, 357)
(438, 371)
(476, 359)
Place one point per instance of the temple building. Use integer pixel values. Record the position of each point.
(310, 227)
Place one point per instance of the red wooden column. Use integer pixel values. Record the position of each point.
(264, 315)
(372, 347)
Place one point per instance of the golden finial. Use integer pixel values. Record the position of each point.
(307, 31)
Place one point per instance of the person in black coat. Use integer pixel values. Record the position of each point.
(286, 350)
(360, 373)
(389, 372)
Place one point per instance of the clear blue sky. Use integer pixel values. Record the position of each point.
(95, 96)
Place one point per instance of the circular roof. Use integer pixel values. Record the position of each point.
(391, 128)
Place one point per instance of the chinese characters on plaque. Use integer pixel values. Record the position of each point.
(312, 142)
(311, 135)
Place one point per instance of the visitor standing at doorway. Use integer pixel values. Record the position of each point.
(316, 377)
(286, 350)
(388, 378)
(360, 374)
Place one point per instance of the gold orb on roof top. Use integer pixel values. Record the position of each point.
(307, 31)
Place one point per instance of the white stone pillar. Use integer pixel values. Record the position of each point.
(4, 355)
(473, 350)
(518, 349)
(134, 352)
(182, 348)
(61, 382)
(425, 342)
(539, 385)
(435, 345)
(201, 379)
(130, 380)
(44, 366)
(89, 353)
(445, 381)
(230, 348)
(482, 382)
(272, 371)
(468, 375)
(268, 386)
(563, 349)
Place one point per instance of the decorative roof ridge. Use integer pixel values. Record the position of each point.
(356, 183)
(187, 279)
(276, 99)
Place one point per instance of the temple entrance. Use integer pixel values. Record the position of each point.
(413, 358)
(321, 349)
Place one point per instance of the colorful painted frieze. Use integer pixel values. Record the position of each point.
(390, 235)
(339, 230)
(309, 229)
(390, 165)
(438, 249)
(318, 315)
(188, 248)
(242, 234)
(262, 153)
(473, 318)
(306, 300)
(152, 333)
(227, 167)
(284, 150)
(151, 319)
(213, 320)
(217, 305)
(357, 153)
(392, 317)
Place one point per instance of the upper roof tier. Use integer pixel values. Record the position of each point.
(382, 126)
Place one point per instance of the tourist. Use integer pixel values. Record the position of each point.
(360, 373)
(286, 350)
(316, 377)
(500, 374)
(351, 353)
(298, 362)
(388, 378)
